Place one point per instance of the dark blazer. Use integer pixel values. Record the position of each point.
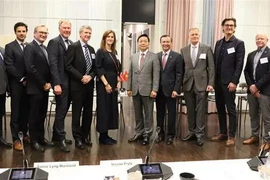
(262, 74)
(37, 68)
(232, 64)
(57, 56)
(76, 66)
(14, 61)
(171, 76)
(203, 74)
(3, 75)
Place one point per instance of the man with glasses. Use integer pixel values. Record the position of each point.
(38, 86)
(80, 66)
(57, 49)
(229, 58)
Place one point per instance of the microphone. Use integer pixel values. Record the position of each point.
(25, 161)
(147, 157)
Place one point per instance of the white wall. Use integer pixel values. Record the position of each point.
(253, 16)
(99, 14)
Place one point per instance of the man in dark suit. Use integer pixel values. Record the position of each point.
(57, 50)
(143, 84)
(229, 58)
(16, 74)
(81, 68)
(3, 89)
(257, 74)
(38, 86)
(198, 81)
(171, 74)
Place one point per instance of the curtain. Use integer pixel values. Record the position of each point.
(224, 9)
(208, 22)
(180, 18)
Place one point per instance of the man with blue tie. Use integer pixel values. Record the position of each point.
(57, 50)
(37, 87)
(14, 61)
(80, 66)
(257, 74)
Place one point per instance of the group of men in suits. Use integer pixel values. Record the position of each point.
(198, 71)
(32, 70)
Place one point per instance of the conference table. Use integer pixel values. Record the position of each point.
(203, 170)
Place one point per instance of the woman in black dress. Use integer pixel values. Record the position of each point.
(108, 69)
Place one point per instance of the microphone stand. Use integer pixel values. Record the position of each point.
(25, 161)
(147, 157)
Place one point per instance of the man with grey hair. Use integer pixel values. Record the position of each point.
(257, 75)
(198, 81)
(57, 50)
(80, 66)
(37, 87)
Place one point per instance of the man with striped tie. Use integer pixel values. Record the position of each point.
(80, 66)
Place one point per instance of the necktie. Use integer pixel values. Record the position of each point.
(66, 43)
(193, 55)
(256, 60)
(164, 61)
(1, 59)
(45, 53)
(87, 59)
(22, 46)
(141, 60)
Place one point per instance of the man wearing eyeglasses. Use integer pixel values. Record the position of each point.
(38, 86)
(229, 58)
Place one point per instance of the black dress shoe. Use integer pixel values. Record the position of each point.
(86, 142)
(113, 140)
(37, 147)
(106, 141)
(46, 143)
(68, 141)
(160, 138)
(5, 143)
(189, 137)
(136, 137)
(62, 146)
(200, 141)
(79, 144)
(169, 140)
(145, 141)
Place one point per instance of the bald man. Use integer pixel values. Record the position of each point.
(257, 74)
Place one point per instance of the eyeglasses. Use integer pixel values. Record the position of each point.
(229, 25)
(42, 32)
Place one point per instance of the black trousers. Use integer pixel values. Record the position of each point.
(37, 115)
(82, 103)
(163, 102)
(225, 98)
(62, 106)
(2, 111)
(19, 110)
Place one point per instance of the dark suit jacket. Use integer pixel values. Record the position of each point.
(3, 75)
(262, 73)
(232, 64)
(76, 66)
(14, 60)
(203, 74)
(37, 68)
(171, 76)
(57, 56)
